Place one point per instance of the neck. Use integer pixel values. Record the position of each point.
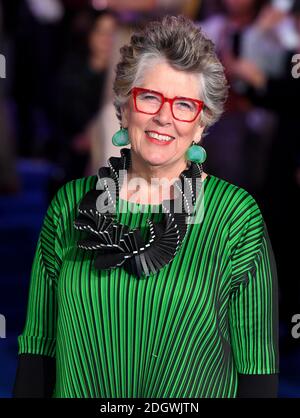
(154, 191)
(149, 172)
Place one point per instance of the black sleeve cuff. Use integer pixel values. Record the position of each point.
(35, 376)
(257, 386)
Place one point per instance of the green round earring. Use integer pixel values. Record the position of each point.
(196, 153)
(121, 138)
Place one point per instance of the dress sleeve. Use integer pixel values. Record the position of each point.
(253, 304)
(37, 343)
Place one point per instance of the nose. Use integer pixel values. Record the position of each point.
(164, 116)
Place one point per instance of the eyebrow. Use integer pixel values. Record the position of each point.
(159, 92)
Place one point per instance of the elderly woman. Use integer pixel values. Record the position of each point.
(153, 278)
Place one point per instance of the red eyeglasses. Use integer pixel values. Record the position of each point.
(150, 102)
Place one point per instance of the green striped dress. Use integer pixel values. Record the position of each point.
(186, 331)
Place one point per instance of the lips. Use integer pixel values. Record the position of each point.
(168, 137)
(160, 142)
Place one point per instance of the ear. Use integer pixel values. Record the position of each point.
(125, 115)
(199, 132)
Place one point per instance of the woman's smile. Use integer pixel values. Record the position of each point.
(159, 138)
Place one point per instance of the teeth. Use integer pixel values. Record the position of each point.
(159, 137)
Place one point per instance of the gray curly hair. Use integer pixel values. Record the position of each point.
(179, 42)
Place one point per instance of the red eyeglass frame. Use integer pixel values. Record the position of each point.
(135, 90)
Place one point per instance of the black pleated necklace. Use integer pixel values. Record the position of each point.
(118, 246)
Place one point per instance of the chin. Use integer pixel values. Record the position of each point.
(155, 159)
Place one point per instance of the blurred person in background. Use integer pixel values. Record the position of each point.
(209, 8)
(37, 50)
(241, 155)
(81, 84)
(279, 92)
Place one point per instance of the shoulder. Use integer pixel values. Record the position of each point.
(234, 198)
(238, 214)
(69, 195)
(241, 213)
(232, 204)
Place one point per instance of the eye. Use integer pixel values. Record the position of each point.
(149, 98)
(185, 105)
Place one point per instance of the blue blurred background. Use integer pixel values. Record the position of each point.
(57, 119)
